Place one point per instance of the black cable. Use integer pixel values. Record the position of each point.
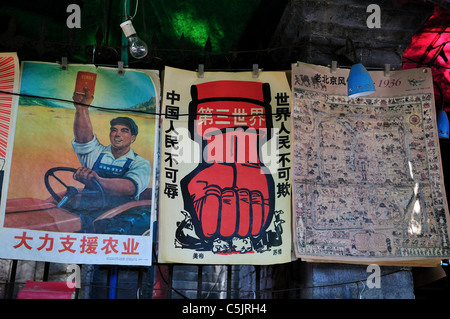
(83, 104)
(127, 110)
(163, 278)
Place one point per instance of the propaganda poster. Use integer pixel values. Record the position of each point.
(225, 168)
(80, 180)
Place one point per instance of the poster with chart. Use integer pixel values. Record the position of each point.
(80, 178)
(225, 168)
(366, 171)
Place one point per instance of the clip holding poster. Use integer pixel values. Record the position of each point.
(387, 70)
(64, 63)
(121, 70)
(201, 71)
(333, 67)
(255, 70)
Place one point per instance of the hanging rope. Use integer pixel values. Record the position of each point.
(125, 10)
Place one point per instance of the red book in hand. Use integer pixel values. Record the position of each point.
(85, 80)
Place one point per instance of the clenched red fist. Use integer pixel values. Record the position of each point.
(231, 193)
(231, 200)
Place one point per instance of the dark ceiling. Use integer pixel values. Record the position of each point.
(179, 33)
(228, 34)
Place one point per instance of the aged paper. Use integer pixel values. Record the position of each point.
(225, 168)
(49, 215)
(367, 178)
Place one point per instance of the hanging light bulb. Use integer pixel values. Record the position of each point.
(138, 48)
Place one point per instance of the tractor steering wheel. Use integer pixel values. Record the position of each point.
(71, 191)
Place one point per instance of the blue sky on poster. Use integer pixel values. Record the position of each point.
(111, 91)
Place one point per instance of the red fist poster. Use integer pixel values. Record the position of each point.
(225, 189)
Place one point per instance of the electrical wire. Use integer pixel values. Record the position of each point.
(127, 110)
(69, 101)
(125, 10)
(261, 291)
(297, 289)
(164, 279)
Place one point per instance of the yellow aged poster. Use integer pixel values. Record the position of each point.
(366, 171)
(225, 168)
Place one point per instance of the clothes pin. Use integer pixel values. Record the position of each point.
(333, 67)
(201, 71)
(64, 63)
(255, 70)
(121, 70)
(387, 70)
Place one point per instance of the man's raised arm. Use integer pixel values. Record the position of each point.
(82, 126)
